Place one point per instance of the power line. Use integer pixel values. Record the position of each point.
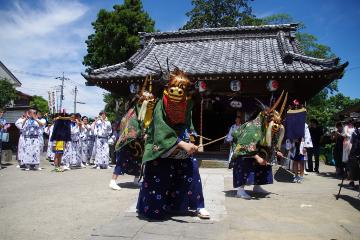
(40, 74)
(354, 68)
(63, 78)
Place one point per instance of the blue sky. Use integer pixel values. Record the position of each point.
(42, 38)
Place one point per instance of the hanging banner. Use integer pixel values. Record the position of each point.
(50, 100)
(53, 102)
(235, 85)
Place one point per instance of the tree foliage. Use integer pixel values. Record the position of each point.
(325, 110)
(39, 103)
(115, 106)
(217, 13)
(324, 105)
(7, 92)
(116, 35)
(115, 40)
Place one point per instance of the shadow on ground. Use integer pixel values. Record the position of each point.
(175, 216)
(329, 175)
(353, 201)
(130, 185)
(254, 196)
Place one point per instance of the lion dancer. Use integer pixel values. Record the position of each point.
(256, 144)
(130, 142)
(172, 181)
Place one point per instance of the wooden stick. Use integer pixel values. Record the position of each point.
(199, 136)
(214, 141)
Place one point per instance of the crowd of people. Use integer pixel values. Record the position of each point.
(346, 150)
(73, 141)
(300, 147)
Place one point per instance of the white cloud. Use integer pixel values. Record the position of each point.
(49, 39)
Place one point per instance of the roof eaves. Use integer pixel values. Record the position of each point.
(107, 68)
(289, 56)
(10, 74)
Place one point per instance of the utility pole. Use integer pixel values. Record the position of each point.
(75, 99)
(75, 93)
(63, 78)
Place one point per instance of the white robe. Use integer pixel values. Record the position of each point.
(102, 132)
(229, 139)
(72, 153)
(19, 125)
(87, 139)
(347, 133)
(31, 147)
(41, 134)
(49, 153)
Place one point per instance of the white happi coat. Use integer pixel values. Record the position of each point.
(87, 143)
(347, 133)
(102, 132)
(19, 125)
(49, 153)
(31, 147)
(41, 134)
(72, 153)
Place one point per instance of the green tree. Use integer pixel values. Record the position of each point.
(39, 103)
(217, 13)
(114, 106)
(324, 110)
(115, 40)
(116, 36)
(7, 92)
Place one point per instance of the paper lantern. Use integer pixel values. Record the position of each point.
(200, 86)
(235, 85)
(134, 88)
(272, 85)
(236, 104)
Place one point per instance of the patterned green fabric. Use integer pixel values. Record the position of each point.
(248, 137)
(130, 129)
(161, 136)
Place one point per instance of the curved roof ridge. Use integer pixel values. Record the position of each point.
(289, 55)
(288, 26)
(142, 52)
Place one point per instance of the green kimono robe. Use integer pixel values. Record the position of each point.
(248, 137)
(161, 136)
(130, 129)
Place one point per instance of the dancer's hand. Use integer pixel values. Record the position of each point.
(190, 148)
(279, 154)
(260, 160)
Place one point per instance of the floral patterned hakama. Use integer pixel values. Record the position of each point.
(170, 185)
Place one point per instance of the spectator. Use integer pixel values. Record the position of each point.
(102, 132)
(2, 130)
(233, 128)
(31, 148)
(348, 131)
(338, 138)
(315, 132)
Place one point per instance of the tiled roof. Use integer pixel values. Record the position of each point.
(215, 51)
